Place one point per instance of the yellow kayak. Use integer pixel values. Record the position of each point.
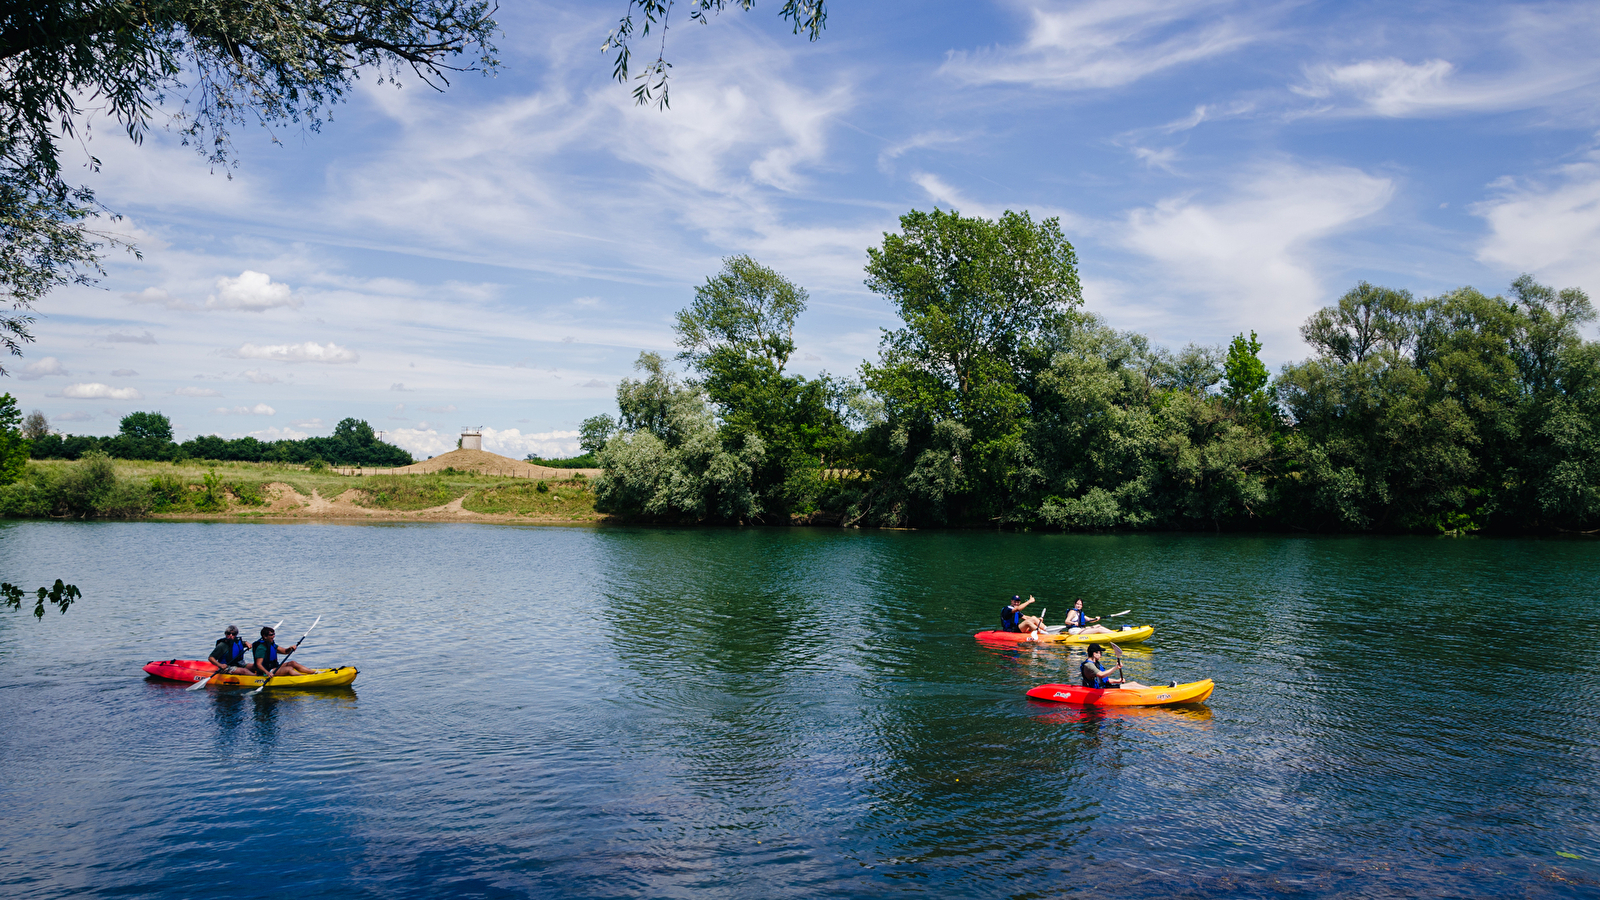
(1128, 635)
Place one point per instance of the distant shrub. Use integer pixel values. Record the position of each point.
(317, 464)
(212, 498)
(167, 492)
(542, 487)
(247, 493)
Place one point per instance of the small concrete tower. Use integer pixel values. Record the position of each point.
(472, 438)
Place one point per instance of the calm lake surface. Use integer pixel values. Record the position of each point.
(755, 713)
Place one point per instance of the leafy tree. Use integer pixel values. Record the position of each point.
(668, 462)
(738, 335)
(807, 15)
(35, 426)
(594, 432)
(14, 445)
(1366, 319)
(980, 300)
(1246, 379)
(237, 63)
(746, 310)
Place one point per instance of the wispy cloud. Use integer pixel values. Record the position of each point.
(1108, 43)
(1249, 257)
(260, 409)
(117, 337)
(1549, 225)
(196, 392)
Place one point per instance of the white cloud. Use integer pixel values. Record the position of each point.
(197, 392)
(158, 297)
(1249, 258)
(49, 365)
(251, 292)
(280, 434)
(74, 417)
(399, 386)
(94, 390)
(425, 442)
(117, 337)
(307, 423)
(1550, 228)
(309, 351)
(260, 409)
(257, 376)
(1106, 43)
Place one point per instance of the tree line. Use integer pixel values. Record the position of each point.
(148, 435)
(999, 402)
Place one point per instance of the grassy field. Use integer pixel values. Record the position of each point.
(133, 489)
(568, 499)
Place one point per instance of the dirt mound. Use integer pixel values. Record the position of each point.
(488, 464)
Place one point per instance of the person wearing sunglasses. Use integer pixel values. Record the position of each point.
(269, 657)
(228, 655)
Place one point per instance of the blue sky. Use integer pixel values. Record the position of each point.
(499, 254)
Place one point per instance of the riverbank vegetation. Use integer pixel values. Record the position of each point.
(999, 402)
(148, 436)
(97, 486)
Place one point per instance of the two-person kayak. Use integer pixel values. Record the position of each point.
(1128, 635)
(1160, 695)
(189, 671)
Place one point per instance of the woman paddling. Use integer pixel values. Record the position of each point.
(1078, 623)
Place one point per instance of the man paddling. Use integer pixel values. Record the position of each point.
(1100, 679)
(1012, 619)
(1078, 623)
(267, 659)
(228, 655)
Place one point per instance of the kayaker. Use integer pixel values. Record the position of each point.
(1078, 623)
(1101, 679)
(1012, 619)
(228, 655)
(266, 656)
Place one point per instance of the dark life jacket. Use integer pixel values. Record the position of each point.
(1091, 680)
(1010, 619)
(229, 652)
(269, 657)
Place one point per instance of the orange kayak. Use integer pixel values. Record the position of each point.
(1161, 695)
(1129, 635)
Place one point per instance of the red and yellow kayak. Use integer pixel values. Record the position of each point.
(1161, 695)
(1128, 635)
(189, 671)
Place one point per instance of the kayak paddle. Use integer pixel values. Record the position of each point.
(202, 681)
(1118, 651)
(284, 660)
(1123, 613)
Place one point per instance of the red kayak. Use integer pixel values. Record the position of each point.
(189, 671)
(1160, 695)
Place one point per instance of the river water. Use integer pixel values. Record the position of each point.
(768, 713)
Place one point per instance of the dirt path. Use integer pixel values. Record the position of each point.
(285, 504)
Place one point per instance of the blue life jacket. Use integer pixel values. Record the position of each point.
(1082, 620)
(1010, 619)
(234, 652)
(270, 658)
(1093, 681)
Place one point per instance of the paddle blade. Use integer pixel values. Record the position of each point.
(201, 682)
(1123, 613)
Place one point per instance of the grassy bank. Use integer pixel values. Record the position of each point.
(98, 487)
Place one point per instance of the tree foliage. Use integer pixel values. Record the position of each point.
(208, 65)
(809, 16)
